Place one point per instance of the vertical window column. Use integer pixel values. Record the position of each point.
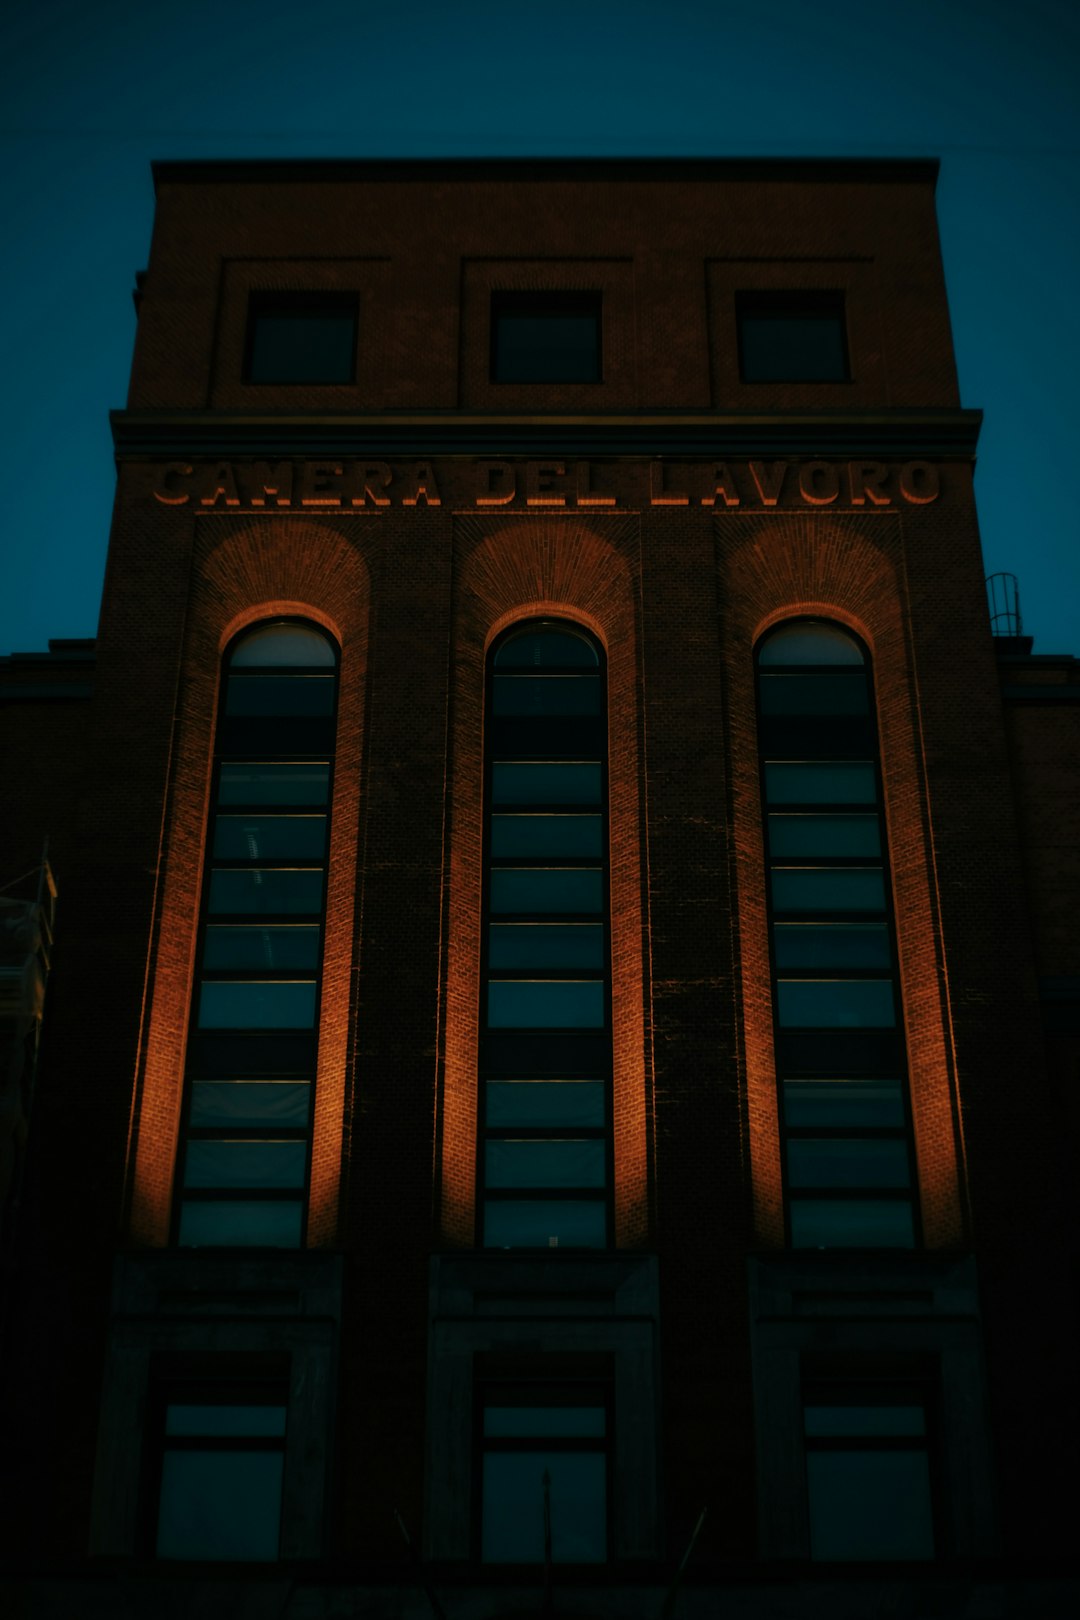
(254, 1038)
(840, 1058)
(868, 1469)
(544, 1450)
(220, 1465)
(545, 1050)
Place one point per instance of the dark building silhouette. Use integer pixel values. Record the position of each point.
(563, 989)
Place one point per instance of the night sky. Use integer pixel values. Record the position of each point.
(91, 91)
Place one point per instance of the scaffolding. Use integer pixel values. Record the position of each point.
(27, 923)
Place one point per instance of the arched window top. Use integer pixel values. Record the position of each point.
(810, 641)
(280, 646)
(547, 646)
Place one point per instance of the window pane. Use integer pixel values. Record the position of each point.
(814, 694)
(266, 890)
(547, 649)
(820, 782)
(220, 1504)
(860, 1422)
(870, 1504)
(546, 945)
(545, 1422)
(535, 1223)
(294, 946)
(545, 337)
(843, 1103)
(835, 1003)
(545, 836)
(290, 695)
(513, 1511)
(840, 1162)
(238, 1004)
(831, 945)
(546, 889)
(522, 782)
(809, 888)
(298, 346)
(545, 1164)
(545, 1102)
(851, 1223)
(541, 695)
(188, 1419)
(250, 1103)
(546, 1004)
(793, 347)
(253, 838)
(275, 645)
(807, 643)
(273, 784)
(245, 1164)
(824, 835)
(248, 1224)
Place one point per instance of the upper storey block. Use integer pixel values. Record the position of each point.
(589, 287)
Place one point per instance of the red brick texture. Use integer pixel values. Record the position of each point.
(242, 573)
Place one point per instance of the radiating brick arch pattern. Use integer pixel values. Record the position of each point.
(507, 570)
(243, 573)
(848, 569)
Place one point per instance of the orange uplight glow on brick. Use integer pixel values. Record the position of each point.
(797, 566)
(513, 569)
(285, 567)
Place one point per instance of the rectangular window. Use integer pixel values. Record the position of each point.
(266, 892)
(269, 838)
(834, 888)
(835, 1003)
(301, 337)
(831, 945)
(545, 945)
(222, 1465)
(551, 337)
(268, 949)
(548, 783)
(545, 1223)
(541, 1103)
(544, 1470)
(242, 1223)
(833, 836)
(244, 1163)
(251, 1103)
(546, 1004)
(270, 783)
(851, 1223)
(822, 781)
(258, 1004)
(868, 1471)
(792, 337)
(536, 890)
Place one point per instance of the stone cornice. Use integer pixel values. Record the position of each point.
(942, 434)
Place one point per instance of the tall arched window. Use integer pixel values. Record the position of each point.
(245, 1160)
(545, 1046)
(841, 1066)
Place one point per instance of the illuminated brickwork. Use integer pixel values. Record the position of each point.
(677, 513)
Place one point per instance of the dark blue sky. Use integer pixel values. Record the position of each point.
(92, 90)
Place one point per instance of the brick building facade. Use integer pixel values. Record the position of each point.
(563, 1010)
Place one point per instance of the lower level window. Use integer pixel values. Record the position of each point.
(545, 1450)
(222, 1468)
(868, 1471)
